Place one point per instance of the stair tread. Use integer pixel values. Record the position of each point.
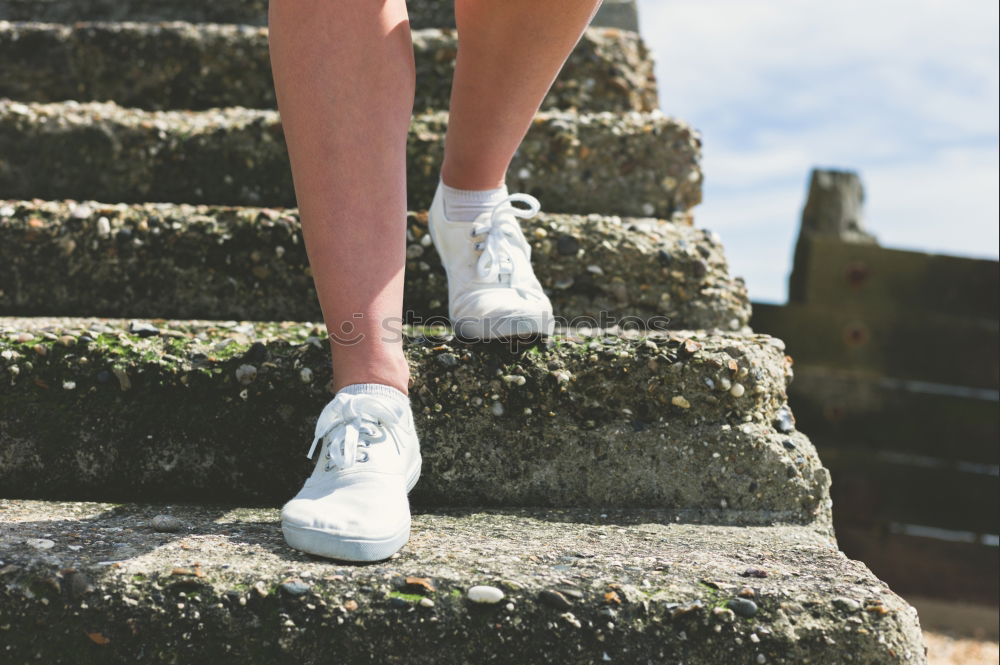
(642, 164)
(197, 66)
(184, 261)
(663, 582)
(695, 421)
(421, 14)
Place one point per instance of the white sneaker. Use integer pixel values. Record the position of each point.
(492, 290)
(354, 506)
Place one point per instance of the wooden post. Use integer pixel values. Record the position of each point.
(835, 206)
(834, 210)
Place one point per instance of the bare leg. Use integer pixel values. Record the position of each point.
(344, 81)
(509, 54)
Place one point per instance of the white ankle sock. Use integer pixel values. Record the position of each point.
(378, 389)
(464, 205)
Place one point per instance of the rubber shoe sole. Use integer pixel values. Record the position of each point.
(334, 546)
(517, 326)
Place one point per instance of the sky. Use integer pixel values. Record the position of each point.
(904, 93)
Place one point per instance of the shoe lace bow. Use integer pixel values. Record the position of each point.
(353, 421)
(502, 234)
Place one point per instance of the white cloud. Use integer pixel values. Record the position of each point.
(904, 92)
(934, 201)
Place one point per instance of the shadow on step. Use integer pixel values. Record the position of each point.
(109, 534)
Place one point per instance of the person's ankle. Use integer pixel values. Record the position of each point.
(465, 205)
(394, 373)
(395, 383)
(469, 176)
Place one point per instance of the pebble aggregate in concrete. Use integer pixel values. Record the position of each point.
(421, 13)
(578, 419)
(230, 590)
(638, 164)
(201, 66)
(186, 261)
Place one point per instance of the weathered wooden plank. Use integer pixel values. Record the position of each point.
(877, 414)
(869, 490)
(897, 343)
(926, 566)
(828, 271)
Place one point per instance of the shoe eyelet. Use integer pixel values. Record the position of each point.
(362, 460)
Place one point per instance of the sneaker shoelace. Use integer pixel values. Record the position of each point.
(502, 234)
(360, 421)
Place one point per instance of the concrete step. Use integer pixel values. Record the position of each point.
(579, 587)
(183, 261)
(199, 66)
(176, 410)
(605, 163)
(422, 14)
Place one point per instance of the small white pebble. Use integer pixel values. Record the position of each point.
(69, 385)
(426, 602)
(571, 619)
(485, 594)
(737, 390)
(41, 543)
(562, 376)
(306, 375)
(165, 523)
(246, 373)
(681, 401)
